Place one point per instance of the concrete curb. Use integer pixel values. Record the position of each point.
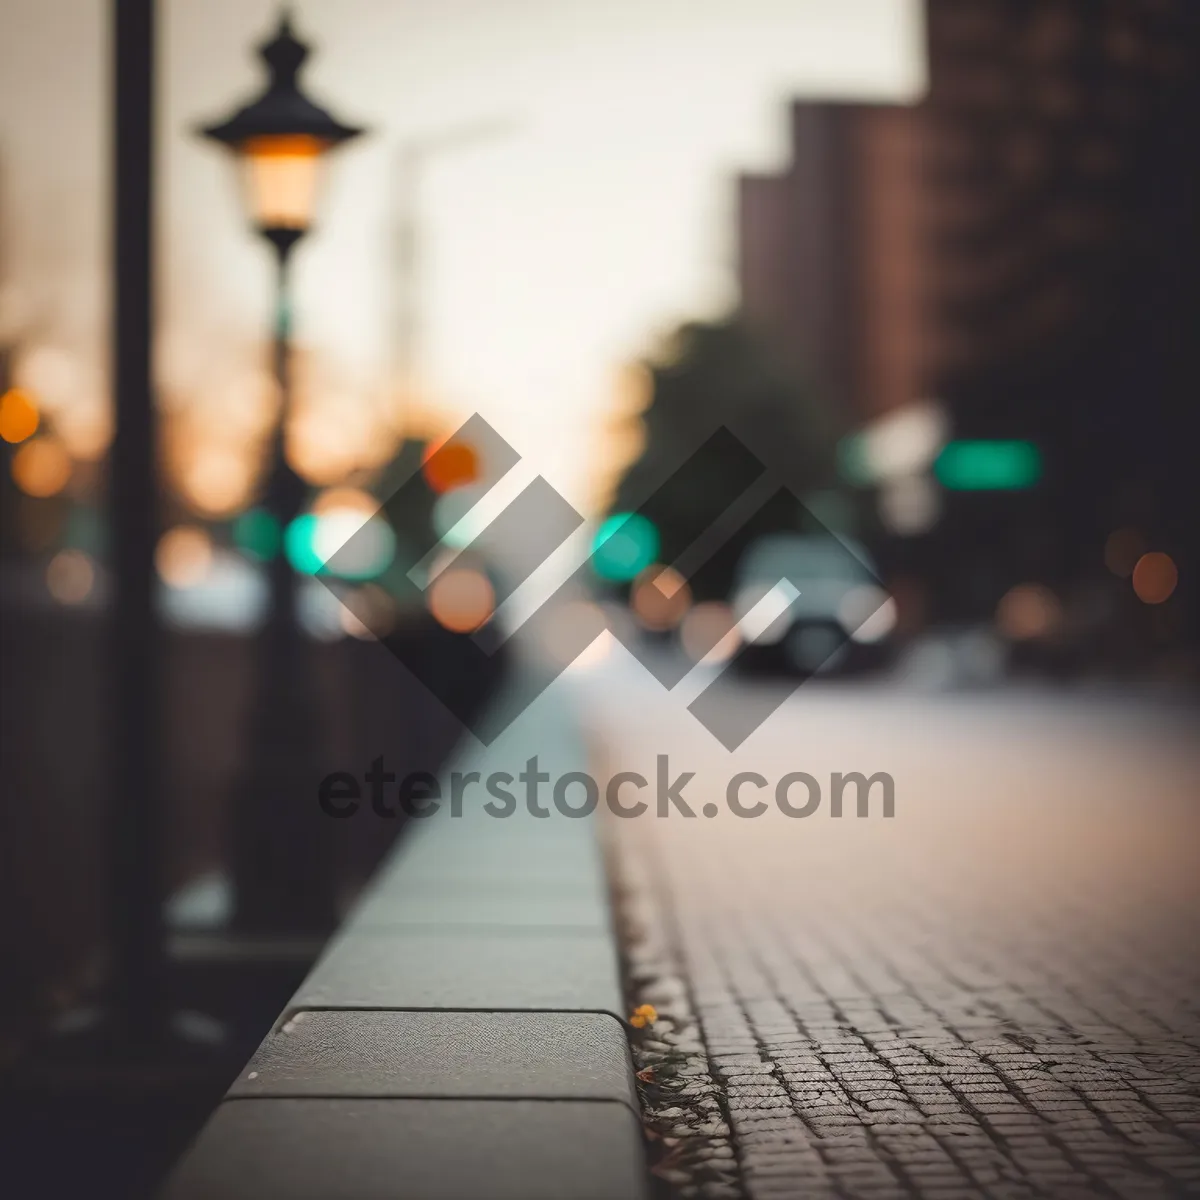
(461, 1038)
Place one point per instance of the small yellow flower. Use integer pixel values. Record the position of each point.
(643, 1015)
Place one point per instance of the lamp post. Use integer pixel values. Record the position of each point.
(282, 872)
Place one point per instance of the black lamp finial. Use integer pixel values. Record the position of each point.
(282, 108)
(284, 54)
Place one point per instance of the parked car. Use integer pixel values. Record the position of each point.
(827, 613)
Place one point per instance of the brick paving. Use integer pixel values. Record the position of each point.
(995, 993)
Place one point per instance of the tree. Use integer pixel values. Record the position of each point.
(713, 375)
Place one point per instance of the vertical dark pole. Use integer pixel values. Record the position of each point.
(283, 681)
(285, 491)
(137, 892)
(282, 853)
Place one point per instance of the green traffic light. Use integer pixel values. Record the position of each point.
(982, 466)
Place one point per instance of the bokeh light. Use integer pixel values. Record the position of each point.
(573, 624)
(451, 465)
(867, 613)
(903, 442)
(625, 545)
(300, 544)
(461, 599)
(1028, 611)
(85, 429)
(245, 407)
(326, 441)
(234, 596)
(70, 576)
(345, 499)
(444, 557)
(350, 547)
(764, 610)
(910, 505)
(337, 541)
(41, 467)
(709, 633)
(368, 613)
(18, 415)
(257, 534)
(1155, 577)
(319, 612)
(355, 628)
(449, 511)
(184, 556)
(49, 373)
(660, 598)
(216, 481)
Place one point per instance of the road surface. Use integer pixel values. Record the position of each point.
(993, 992)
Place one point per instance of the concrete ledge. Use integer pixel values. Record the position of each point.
(485, 851)
(466, 968)
(461, 1038)
(547, 1056)
(484, 907)
(354, 1149)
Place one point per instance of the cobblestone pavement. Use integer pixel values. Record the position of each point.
(994, 993)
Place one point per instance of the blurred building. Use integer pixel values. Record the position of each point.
(1023, 245)
(827, 259)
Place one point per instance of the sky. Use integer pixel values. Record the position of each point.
(591, 213)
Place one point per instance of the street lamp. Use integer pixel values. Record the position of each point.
(281, 139)
(282, 875)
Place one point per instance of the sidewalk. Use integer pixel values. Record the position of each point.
(461, 1037)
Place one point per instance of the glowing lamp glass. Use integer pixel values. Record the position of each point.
(282, 174)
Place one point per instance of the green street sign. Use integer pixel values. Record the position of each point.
(987, 466)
